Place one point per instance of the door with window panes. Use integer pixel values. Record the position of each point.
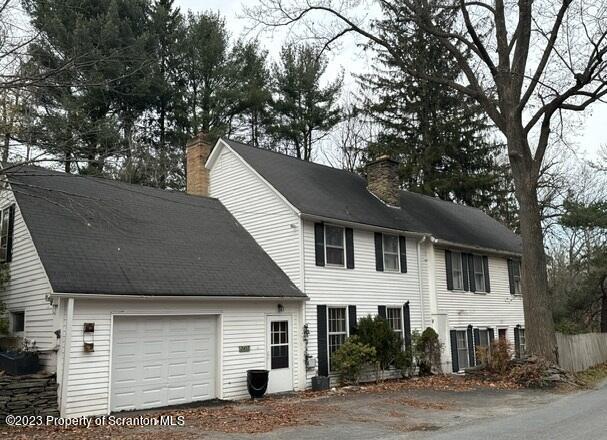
(280, 354)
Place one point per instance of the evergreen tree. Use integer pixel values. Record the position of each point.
(440, 136)
(303, 111)
(87, 111)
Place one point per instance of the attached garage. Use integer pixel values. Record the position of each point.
(162, 360)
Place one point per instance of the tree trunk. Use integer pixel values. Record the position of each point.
(539, 324)
(7, 144)
(604, 304)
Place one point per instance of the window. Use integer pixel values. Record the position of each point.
(391, 256)
(279, 344)
(479, 273)
(457, 271)
(17, 322)
(522, 344)
(394, 317)
(462, 349)
(484, 341)
(501, 333)
(4, 230)
(334, 245)
(337, 327)
(516, 276)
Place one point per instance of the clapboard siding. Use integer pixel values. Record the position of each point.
(29, 288)
(362, 286)
(240, 323)
(268, 218)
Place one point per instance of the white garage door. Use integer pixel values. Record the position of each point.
(162, 360)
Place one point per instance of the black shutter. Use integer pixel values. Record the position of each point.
(454, 360)
(349, 248)
(379, 252)
(351, 320)
(517, 342)
(471, 272)
(477, 340)
(464, 258)
(470, 346)
(11, 227)
(487, 277)
(321, 329)
(319, 243)
(491, 336)
(449, 269)
(403, 254)
(511, 276)
(407, 325)
(381, 311)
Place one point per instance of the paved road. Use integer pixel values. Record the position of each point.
(579, 416)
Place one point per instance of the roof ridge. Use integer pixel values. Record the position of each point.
(306, 162)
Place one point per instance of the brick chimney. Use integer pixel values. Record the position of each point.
(383, 180)
(197, 152)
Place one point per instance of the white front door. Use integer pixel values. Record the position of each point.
(280, 354)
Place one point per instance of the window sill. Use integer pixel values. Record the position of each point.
(335, 266)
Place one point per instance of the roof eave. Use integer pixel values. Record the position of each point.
(125, 296)
(450, 244)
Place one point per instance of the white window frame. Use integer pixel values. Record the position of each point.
(461, 270)
(343, 248)
(457, 349)
(487, 333)
(345, 333)
(383, 245)
(522, 341)
(482, 272)
(516, 279)
(399, 310)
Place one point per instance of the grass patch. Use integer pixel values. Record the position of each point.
(592, 376)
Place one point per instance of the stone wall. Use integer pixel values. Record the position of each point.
(35, 394)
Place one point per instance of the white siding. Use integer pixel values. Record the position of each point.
(363, 286)
(29, 288)
(497, 309)
(240, 323)
(267, 217)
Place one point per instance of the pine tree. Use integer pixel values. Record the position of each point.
(303, 111)
(440, 136)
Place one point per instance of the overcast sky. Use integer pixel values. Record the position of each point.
(592, 134)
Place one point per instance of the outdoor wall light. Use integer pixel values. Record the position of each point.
(88, 337)
(281, 308)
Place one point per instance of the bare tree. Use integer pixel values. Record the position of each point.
(531, 62)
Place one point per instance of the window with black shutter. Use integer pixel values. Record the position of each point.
(7, 220)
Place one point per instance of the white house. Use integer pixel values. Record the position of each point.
(141, 298)
(361, 247)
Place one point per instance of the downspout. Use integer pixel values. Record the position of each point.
(67, 345)
(420, 280)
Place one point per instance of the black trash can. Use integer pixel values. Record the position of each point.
(257, 382)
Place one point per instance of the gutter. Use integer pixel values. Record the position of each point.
(124, 296)
(361, 225)
(450, 244)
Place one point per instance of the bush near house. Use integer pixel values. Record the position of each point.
(352, 359)
(427, 351)
(377, 333)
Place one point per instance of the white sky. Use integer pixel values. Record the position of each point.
(588, 139)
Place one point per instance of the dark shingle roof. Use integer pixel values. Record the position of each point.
(322, 191)
(100, 236)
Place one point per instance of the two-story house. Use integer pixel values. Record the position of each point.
(361, 247)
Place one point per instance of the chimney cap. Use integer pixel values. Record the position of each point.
(383, 158)
(201, 137)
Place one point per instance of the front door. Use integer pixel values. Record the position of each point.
(280, 354)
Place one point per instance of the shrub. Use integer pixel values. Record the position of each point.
(404, 363)
(377, 333)
(352, 358)
(498, 360)
(427, 350)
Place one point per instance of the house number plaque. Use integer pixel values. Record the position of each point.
(244, 348)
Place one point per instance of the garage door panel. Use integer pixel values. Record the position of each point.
(162, 360)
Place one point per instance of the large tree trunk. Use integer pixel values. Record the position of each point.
(539, 324)
(604, 304)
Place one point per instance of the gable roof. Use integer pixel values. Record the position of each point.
(326, 192)
(100, 236)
